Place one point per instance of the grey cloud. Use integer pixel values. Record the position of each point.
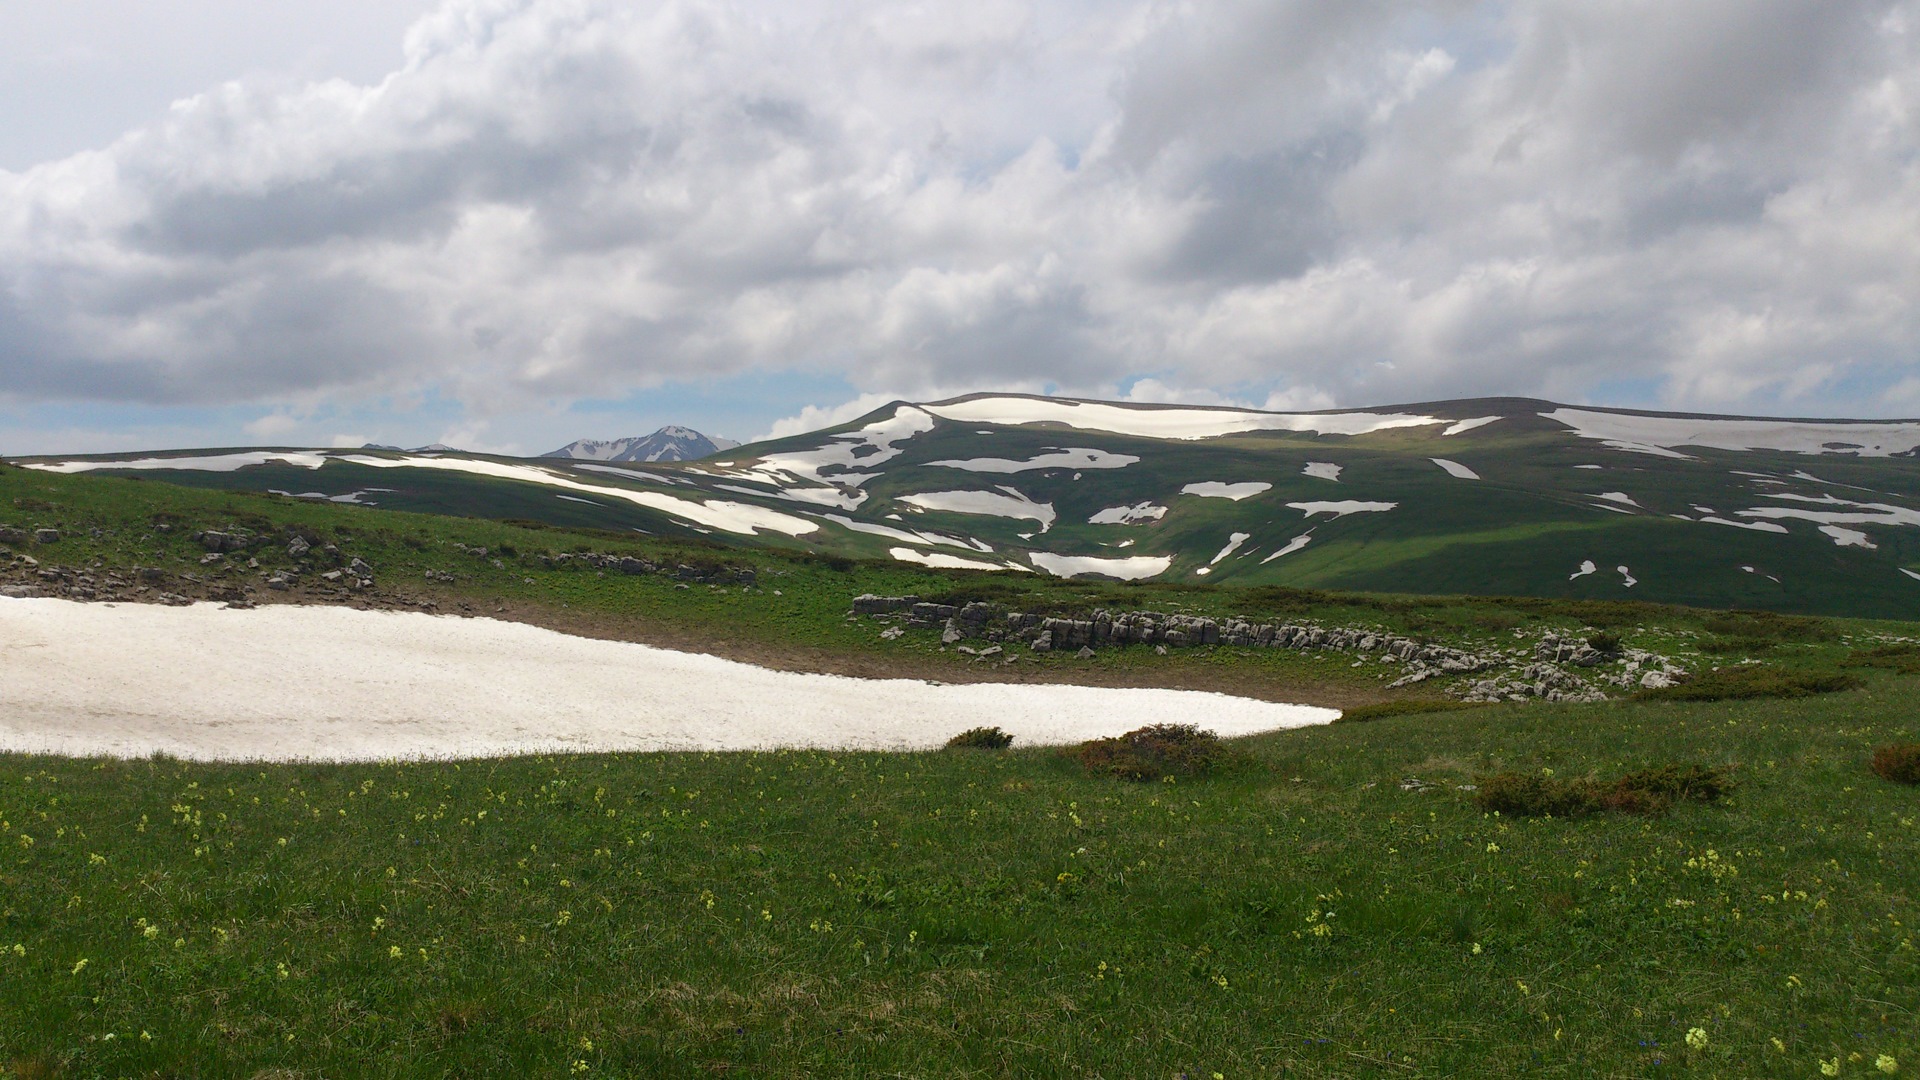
(1367, 201)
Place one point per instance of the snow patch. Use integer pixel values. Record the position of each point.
(1455, 469)
(914, 536)
(1213, 489)
(1071, 457)
(1586, 567)
(1233, 544)
(1845, 537)
(942, 561)
(1292, 546)
(1323, 470)
(1343, 508)
(1756, 526)
(1128, 515)
(1617, 496)
(988, 503)
(336, 684)
(1132, 568)
(1627, 579)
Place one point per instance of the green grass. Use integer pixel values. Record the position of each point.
(964, 914)
(960, 913)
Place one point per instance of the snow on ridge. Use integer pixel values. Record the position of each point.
(842, 454)
(1322, 470)
(1070, 457)
(1128, 515)
(1455, 469)
(1343, 507)
(1166, 422)
(1214, 489)
(835, 497)
(988, 503)
(305, 459)
(1131, 568)
(733, 517)
(1660, 434)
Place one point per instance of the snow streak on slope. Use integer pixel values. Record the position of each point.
(1660, 434)
(1460, 427)
(941, 561)
(335, 684)
(1292, 546)
(1455, 469)
(1158, 422)
(914, 536)
(1072, 457)
(1343, 508)
(730, 517)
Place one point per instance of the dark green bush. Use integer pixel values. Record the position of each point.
(1898, 763)
(1152, 752)
(980, 738)
(1904, 659)
(1750, 681)
(1415, 707)
(1604, 641)
(1651, 791)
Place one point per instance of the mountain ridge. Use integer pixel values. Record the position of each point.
(671, 443)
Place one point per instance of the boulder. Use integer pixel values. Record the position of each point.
(1044, 642)
(11, 535)
(298, 547)
(46, 536)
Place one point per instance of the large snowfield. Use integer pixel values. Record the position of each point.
(337, 684)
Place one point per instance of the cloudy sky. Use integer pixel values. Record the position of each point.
(505, 224)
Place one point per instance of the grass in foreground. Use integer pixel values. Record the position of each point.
(959, 913)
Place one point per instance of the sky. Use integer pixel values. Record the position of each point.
(507, 224)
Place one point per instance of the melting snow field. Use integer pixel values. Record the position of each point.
(336, 684)
(1322, 470)
(1455, 469)
(1161, 422)
(1213, 489)
(943, 561)
(1342, 508)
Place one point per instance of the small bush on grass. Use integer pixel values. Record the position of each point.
(980, 738)
(1604, 641)
(1153, 752)
(1898, 762)
(1750, 681)
(1653, 791)
(1385, 709)
(1904, 659)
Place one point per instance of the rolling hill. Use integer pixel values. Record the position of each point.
(1486, 496)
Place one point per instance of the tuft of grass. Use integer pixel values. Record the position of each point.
(1898, 763)
(1153, 752)
(1413, 707)
(1903, 658)
(1651, 791)
(980, 738)
(1752, 681)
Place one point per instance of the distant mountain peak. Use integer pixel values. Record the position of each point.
(670, 443)
(430, 448)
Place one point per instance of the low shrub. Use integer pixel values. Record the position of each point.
(1152, 752)
(1604, 641)
(1652, 791)
(980, 738)
(1898, 763)
(1750, 681)
(1904, 659)
(1382, 710)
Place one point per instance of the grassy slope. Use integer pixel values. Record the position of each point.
(948, 913)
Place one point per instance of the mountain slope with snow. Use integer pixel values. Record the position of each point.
(670, 443)
(1489, 496)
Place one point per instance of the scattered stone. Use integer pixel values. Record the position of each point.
(1044, 642)
(359, 568)
(19, 592)
(11, 535)
(1085, 653)
(331, 575)
(891, 632)
(297, 548)
(210, 558)
(46, 536)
